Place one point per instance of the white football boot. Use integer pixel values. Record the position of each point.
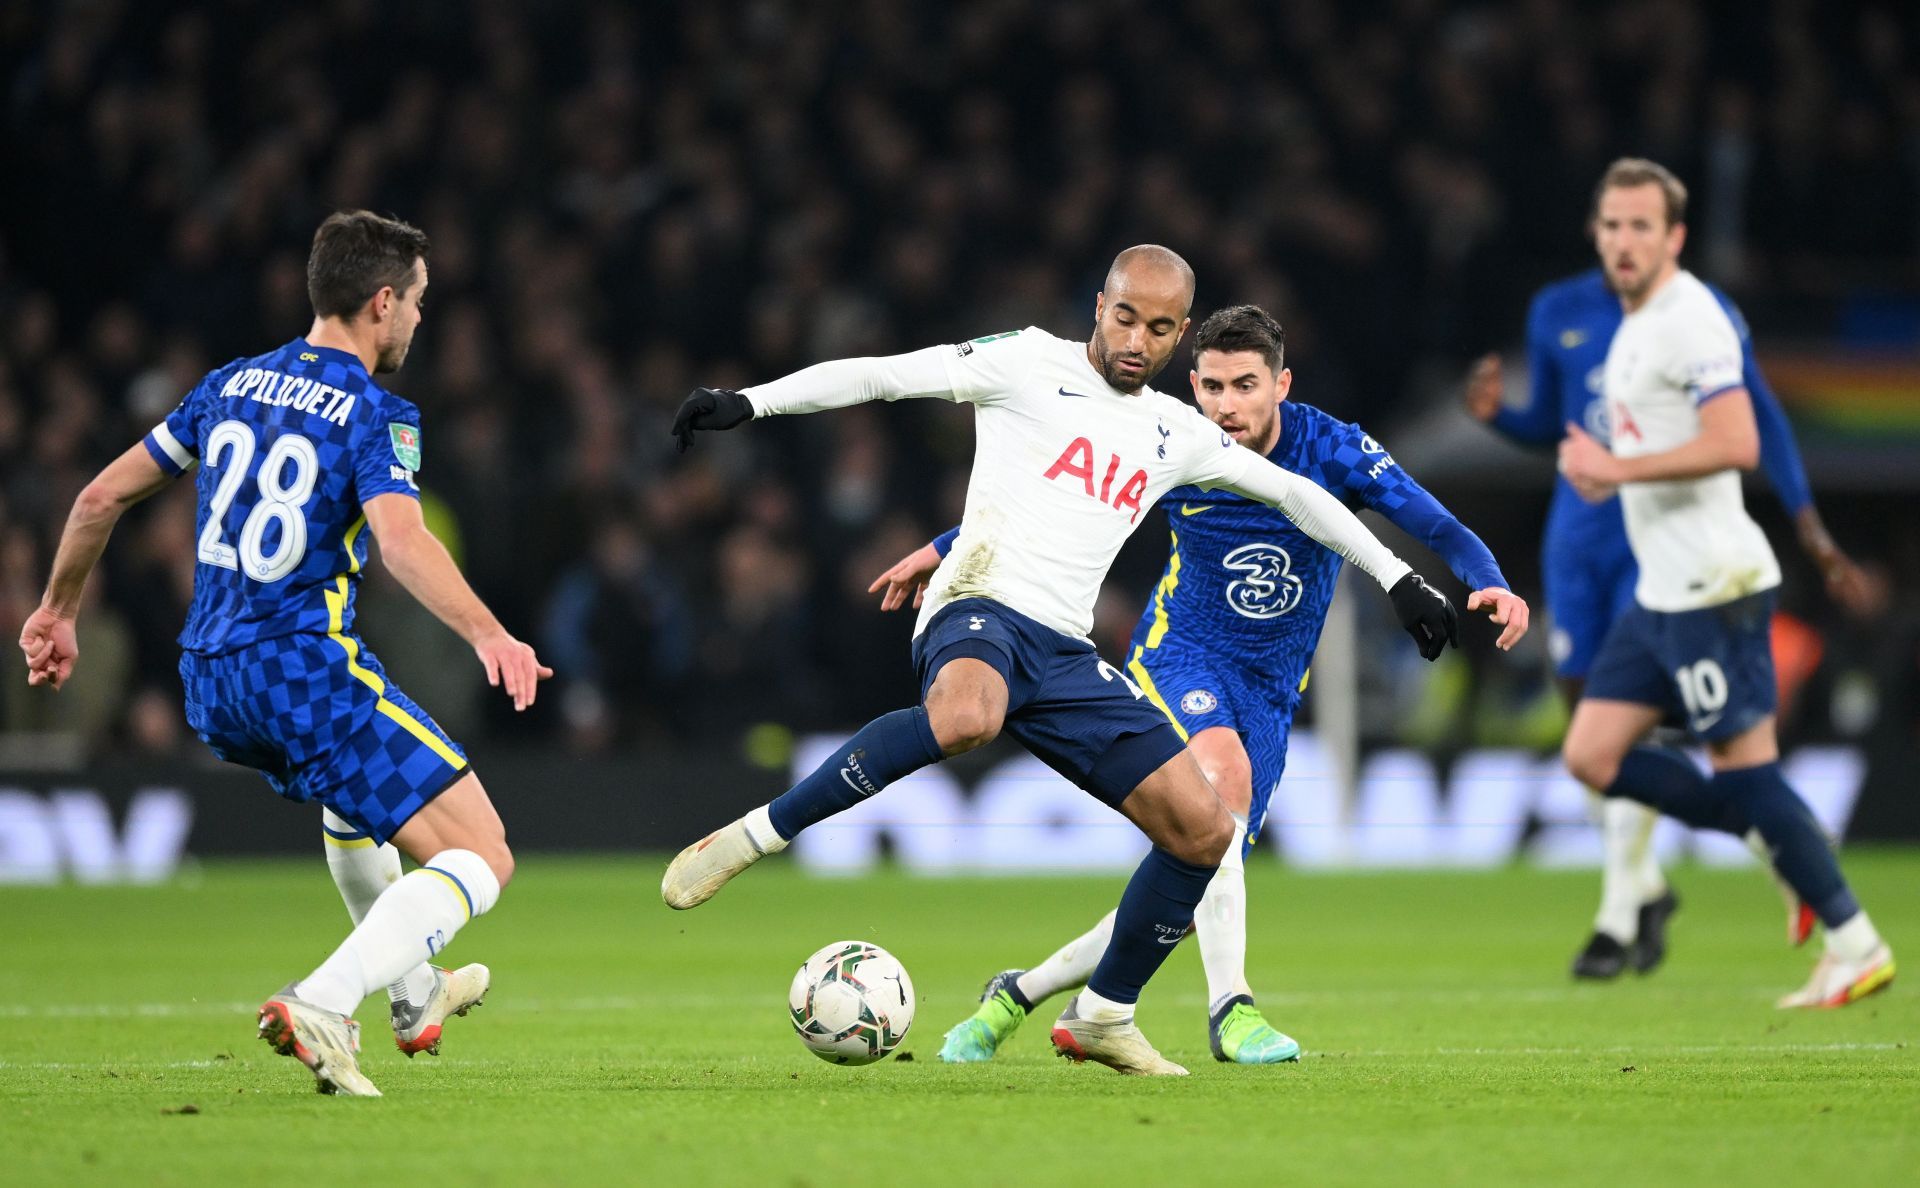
(704, 867)
(455, 992)
(1835, 982)
(322, 1040)
(1120, 1046)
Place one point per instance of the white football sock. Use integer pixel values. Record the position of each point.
(1625, 829)
(1096, 1009)
(1855, 940)
(412, 921)
(760, 831)
(1070, 966)
(1221, 921)
(362, 871)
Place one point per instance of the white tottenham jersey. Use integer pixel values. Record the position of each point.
(1693, 539)
(1064, 465)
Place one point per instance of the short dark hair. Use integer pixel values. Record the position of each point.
(356, 253)
(1629, 172)
(1243, 328)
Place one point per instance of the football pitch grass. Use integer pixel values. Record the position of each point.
(624, 1043)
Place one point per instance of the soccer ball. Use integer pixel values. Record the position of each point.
(851, 1003)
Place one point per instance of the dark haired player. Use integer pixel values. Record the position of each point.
(1589, 570)
(1223, 646)
(1071, 446)
(299, 451)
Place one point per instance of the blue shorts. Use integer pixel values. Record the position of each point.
(1077, 714)
(1712, 667)
(319, 719)
(1197, 690)
(1589, 584)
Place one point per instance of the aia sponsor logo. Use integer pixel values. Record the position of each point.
(1076, 462)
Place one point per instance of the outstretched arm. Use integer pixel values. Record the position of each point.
(1416, 512)
(48, 638)
(1423, 611)
(415, 556)
(840, 383)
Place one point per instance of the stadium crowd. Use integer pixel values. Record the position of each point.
(628, 200)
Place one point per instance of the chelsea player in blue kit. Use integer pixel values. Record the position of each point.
(1589, 572)
(299, 452)
(1223, 646)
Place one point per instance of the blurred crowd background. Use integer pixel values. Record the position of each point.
(629, 199)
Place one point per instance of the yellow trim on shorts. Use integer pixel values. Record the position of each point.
(1147, 686)
(352, 843)
(336, 613)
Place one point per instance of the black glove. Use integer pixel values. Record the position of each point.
(709, 408)
(1427, 615)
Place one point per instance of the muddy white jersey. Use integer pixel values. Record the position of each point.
(1064, 466)
(1695, 544)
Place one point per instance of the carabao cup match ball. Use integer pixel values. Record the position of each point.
(851, 1003)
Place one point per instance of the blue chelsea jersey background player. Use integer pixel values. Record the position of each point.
(1589, 572)
(299, 453)
(1223, 646)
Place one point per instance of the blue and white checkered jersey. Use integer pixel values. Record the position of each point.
(1243, 582)
(290, 445)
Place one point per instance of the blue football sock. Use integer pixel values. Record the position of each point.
(887, 748)
(1799, 846)
(1664, 779)
(1156, 910)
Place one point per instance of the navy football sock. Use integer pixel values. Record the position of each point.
(1664, 779)
(887, 748)
(1156, 910)
(1799, 846)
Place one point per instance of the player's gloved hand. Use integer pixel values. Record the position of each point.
(709, 408)
(1427, 614)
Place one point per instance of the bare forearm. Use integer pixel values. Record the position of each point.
(1702, 456)
(424, 568)
(89, 525)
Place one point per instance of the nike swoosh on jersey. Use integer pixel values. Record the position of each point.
(1081, 395)
(1187, 509)
(1572, 338)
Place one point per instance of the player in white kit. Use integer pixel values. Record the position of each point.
(1071, 447)
(1696, 641)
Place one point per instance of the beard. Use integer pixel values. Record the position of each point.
(1110, 367)
(391, 357)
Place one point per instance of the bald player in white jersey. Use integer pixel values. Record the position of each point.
(1071, 447)
(1696, 642)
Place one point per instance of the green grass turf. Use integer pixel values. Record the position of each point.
(627, 1043)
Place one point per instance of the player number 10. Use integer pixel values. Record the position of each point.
(1703, 686)
(280, 501)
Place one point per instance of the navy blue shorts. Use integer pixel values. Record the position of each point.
(1197, 689)
(317, 716)
(1589, 584)
(1078, 714)
(1712, 667)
